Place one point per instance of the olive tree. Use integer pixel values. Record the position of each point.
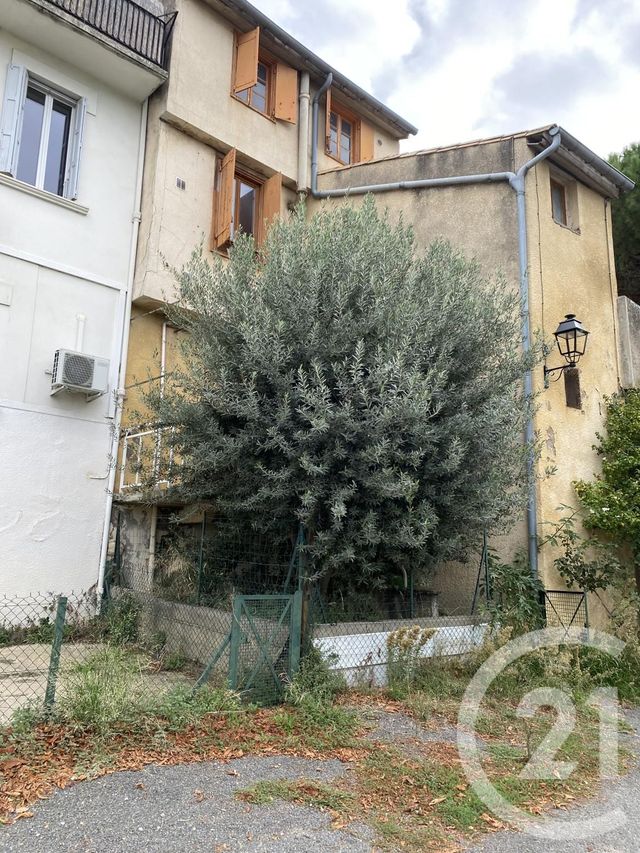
(343, 378)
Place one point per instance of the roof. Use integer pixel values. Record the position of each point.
(306, 60)
(572, 156)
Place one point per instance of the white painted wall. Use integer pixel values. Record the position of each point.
(58, 261)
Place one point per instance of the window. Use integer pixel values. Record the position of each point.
(564, 200)
(257, 96)
(348, 138)
(41, 134)
(244, 212)
(263, 82)
(558, 202)
(340, 141)
(243, 203)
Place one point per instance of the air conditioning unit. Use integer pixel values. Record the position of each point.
(79, 373)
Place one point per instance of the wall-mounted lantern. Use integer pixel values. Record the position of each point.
(571, 338)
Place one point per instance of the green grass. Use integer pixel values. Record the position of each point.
(305, 792)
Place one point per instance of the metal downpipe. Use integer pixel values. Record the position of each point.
(314, 133)
(517, 182)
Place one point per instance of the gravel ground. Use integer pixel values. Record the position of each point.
(188, 807)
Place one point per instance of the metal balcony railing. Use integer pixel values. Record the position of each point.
(126, 23)
(148, 460)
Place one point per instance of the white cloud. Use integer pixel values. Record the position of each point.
(459, 69)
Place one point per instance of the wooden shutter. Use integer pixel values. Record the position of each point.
(327, 129)
(11, 121)
(73, 168)
(246, 72)
(366, 142)
(286, 100)
(223, 204)
(271, 200)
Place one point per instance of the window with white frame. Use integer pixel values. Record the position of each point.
(41, 133)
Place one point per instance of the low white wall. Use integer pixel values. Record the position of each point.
(362, 657)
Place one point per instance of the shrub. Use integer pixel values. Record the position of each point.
(404, 653)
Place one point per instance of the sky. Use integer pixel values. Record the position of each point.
(465, 69)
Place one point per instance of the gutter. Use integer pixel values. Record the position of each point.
(318, 66)
(516, 181)
(124, 347)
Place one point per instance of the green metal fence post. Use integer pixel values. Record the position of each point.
(236, 638)
(200, 556)
(412, 604)
(487, 575)
(295, 633)
(54, 660)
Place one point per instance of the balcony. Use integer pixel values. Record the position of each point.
(117, 42)
(148, 462)
(127, 23)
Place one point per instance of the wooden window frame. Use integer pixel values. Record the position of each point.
(225, 199)
(343, 112)
(240, 175)
(556, 184)
(271, 66)
(281, 96)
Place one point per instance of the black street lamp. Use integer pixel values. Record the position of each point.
(571, 338)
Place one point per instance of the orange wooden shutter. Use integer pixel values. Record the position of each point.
(286, 99)
(366, 142)
(271, 200)
(247, 46)
(327, 130)
(221, 231)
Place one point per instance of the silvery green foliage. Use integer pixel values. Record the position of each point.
(344, 379)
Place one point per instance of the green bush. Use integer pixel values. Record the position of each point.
(315, 685)
(121, 620)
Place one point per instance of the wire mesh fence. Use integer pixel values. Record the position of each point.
(229, 613)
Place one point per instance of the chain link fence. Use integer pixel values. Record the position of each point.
(229, 612)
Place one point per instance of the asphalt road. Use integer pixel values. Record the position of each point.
(188, 807)
(192, 807)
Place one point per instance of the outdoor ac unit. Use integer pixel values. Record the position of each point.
(79, 373)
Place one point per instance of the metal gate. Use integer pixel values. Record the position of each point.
(265, 640)
(564, 609)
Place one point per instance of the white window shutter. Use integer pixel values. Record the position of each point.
(15, 91)
(75, 149)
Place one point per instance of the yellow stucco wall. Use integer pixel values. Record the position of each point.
(569, 272)
(193, 120)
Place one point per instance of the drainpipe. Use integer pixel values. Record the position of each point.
(303, 132)
(124, 346)
(314, 137)
(516, 181)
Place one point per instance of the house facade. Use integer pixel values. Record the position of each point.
(248, 122)
(74, 81)
(569, 269)
(229, 146)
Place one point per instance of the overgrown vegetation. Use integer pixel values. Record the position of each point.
(340, 379)
(612, 500)
(626, 224)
